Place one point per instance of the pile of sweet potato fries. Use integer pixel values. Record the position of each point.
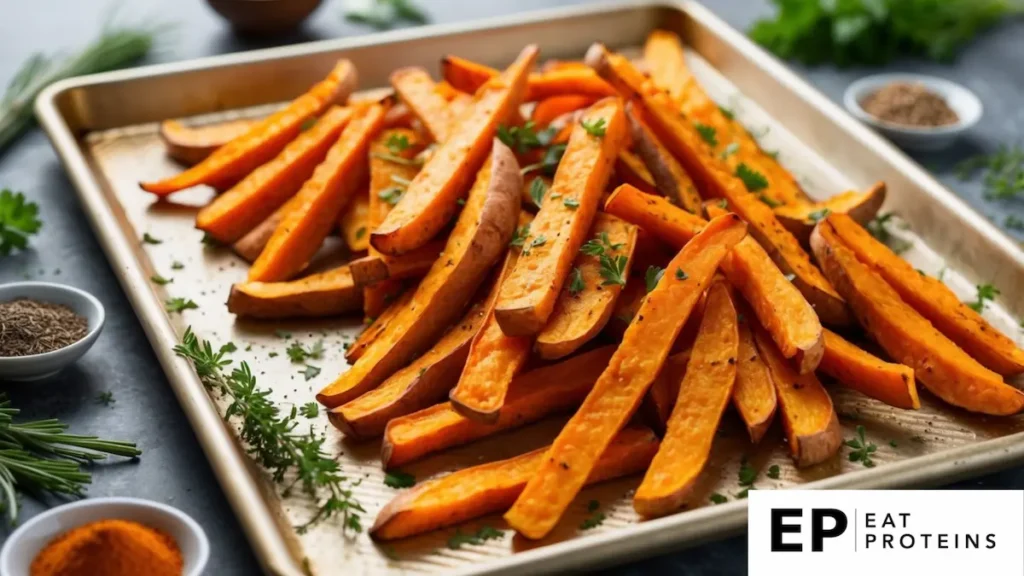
(595, 235)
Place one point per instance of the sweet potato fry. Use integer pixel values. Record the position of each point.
(265, 139)
(532, 396)
(875, 378)
(251, 245)
(431, 198)
(630, 169)
(480, 236)
(713, 179)
(703, 396)
(663, 56)
(419, 92)
(528, 295)
(494, 360)
(626, 307)
(354, 223)
(587, 300)
(861, 206)
(811, 423)
(624, 382)
(325, 294)
(468, 76)
(320, 201)
(493, 487)
(661, 398)
(372, 269)
(375, 326)
(234, 213)
(669, 177)
(907, 336)
(754, 394)
(779, 306)
(933, 300)
(550, 108)
(420, 384)
(190, 145)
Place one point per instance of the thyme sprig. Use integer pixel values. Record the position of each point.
(272, 437)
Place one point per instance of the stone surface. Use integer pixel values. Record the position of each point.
(173, 468)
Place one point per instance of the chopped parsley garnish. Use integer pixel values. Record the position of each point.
(538, 188)
(397, 143)
(310, 372)
(680, 274)
(860, 449)
(594, 128)
(309, 410)
(148, 238)
(179, 305)
(879, 228)
(525, 137)
(752, 179)
(726, 112)
(571, 203)
(773, 472)
(299, 353)
(485, 533)
(177, 265)
(105, 398)
(595, 519)
(986, 292)
(396, 479)
(772, 203)
(521, 233)
(707, 133)
(160, 280)
(653, 276)
(717, 498)
(576, 284)
(819, 215)
(391, 195)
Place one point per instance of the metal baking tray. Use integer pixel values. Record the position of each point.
(104, 128)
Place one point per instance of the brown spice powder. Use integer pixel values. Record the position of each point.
(30, 327)
(909, 105)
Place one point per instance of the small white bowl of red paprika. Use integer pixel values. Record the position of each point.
(45, 327)
(110, 536)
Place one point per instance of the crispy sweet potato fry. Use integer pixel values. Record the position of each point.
(419, 92)
(234, 213)
(354, 223)
(661, 398)
(418, 385)
(779, 306)
(703, 396)
(857, 369)
(907, 336)
(582, 311)
(431, 198)
(713, 179)
(480, 236)
(754, 394)
(630, 169)
(192, 144)
(532, 396)
(663, 56)
(861, 206)
(468, 76)
(626, 306)
(493, 487)
(375, 326)
(325, 294)
(317, 205)
(811, 423)
(378, 267)
(528, 295)
(251, 245)
(623, 384)
(669, 177)
(550, 108)
(494, 360)
(265, 139)
(933, 300)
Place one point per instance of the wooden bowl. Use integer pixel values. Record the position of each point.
(264, 16)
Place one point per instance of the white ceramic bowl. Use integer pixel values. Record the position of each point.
(26, 542)
(964, 102)
(39, 366)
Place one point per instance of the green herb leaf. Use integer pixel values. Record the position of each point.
(458, 540)
(747, 474)
(730, 150)
(819, 215)
(571, 203)
(391, 195)
(310, 372)
(549, 163)
(576, 284)
(105, 398)
(18, 220)
(717, 498)
(538, 188)
(148, 238)
(177, 265)
(652, 277)
(613, 270)
(309, 410)
(282, 334)
(519, 238)
(179, 305)
(385, 14)
(986, 292)
(681, 275)
(860, 449)
(160, 280)
(299, 353)
(707, 133)
(397, 143)
(595, 127)
(396, 479)
(752, 179)
(773, 472)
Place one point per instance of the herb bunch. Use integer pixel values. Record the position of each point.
(1002, 172)
(384, 14)
(40, 456)
(272, 437)
(873, 32)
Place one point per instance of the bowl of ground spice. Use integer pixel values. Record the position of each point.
(914, 111)
(109, 537)
(44, 327)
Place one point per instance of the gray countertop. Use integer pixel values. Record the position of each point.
(173, 468)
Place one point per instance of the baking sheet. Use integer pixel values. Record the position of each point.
(109, 150)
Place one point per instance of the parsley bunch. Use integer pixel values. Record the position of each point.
(873, 32)
(18, 220)
(384, 14)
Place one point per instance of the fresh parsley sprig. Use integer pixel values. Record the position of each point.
(526, 137)
(613, 267)
(1002, 172)
(18, 220)
(460, 539)
(272, 438)
(385, 14)
(752, 179)
(986, 293)
(596, 128)
(860, 449)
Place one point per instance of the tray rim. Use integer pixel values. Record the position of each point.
(233, 468)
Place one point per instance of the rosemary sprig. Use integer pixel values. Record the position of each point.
(115, 48)
(272, 438)
(40, 456)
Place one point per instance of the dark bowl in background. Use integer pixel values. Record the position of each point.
(264, 16)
